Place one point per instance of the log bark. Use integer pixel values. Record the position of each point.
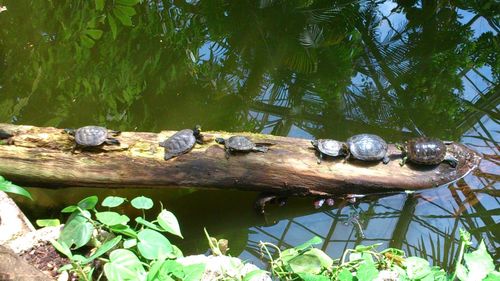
(41, 156)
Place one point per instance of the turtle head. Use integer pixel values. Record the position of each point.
(314, 143)
(70, 132)
(220, 140)
(197, 130)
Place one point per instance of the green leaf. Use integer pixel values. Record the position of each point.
(170, 267)
(142, 202)
(8, 186)
(417, 268)
(111, 218)
(345, 275)
(254, 273)
(48, 222)
(154, 269)
(153, 245)
(77, 231)
(129, 243)
(367, 272)
(168, 221)
(88, 203)
(324, 259)
(108, 245)
(112, 25)
(94, 33)
(124, 229)
(124, 265)
(193, 272)
(313, 241)
(112, 201)
(493, 276)
(146, 223)
(69, 209)
(305, 263)
(62, 247)
(121, 15)
(177, 252)
(479, 262)
(86, 41)
(312, 277)
(363, 248)
(99, 5)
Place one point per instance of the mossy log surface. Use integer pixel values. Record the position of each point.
(42, 156)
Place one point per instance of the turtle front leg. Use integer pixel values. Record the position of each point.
(114, 133)
(347, 156)
(403, 161)
(320, 157)
(386, 159)
(227, 153)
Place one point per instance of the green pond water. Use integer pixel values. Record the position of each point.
(308, 69)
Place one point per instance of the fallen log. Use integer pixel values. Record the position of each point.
(42, 156)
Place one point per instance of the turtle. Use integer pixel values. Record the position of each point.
(367, 147)
(181, 142)
(329, 147)
(5, 135)
(239, 144)
(93, 136)
(426, 151)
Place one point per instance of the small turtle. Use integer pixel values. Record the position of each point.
(367, 147)
(93, 136)
(329, 147)
(426, 151)
(239, 144)
(5, 135)
(181, 142)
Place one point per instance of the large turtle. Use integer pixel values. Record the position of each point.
(367, 147)
(93, 136)
(239, 144)
(426, 151)
(181, 142)
(329, 147)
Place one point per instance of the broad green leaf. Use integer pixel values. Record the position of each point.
(124, 229)
(153, 245)
(112, 201)
(94, 33)
(170, 267)
(111, 218)
(345, 275)
(108, 245)
(112, 25)
(177, 252)
(77, 231)
(305, 263)
(361, 256)
(313, 241)
(99, 5)
(254, 274)
(325, 260)
(62, 247)
(154, 269)
(193, 272)
(144, 222)
(8, 186)
(168, 221)
(69, 209)
(312, 277)
(88, 203)
(479, 263)
(48, 222)
(124, 265)
(129, 243)
(367, 272)
(493, 276)
(142, 202)
(417, 268)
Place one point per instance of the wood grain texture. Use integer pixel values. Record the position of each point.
(42, 156)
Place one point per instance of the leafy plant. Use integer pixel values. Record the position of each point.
(7, 186)
(129, 253)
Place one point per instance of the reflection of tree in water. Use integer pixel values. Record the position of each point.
(328, 69)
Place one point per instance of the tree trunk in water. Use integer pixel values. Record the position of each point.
(42, 156)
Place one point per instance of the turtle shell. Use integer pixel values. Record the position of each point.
(91, 135)
(180, 142)
(239, 143)
(425, 151)
(330, 147)
(367, 147)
